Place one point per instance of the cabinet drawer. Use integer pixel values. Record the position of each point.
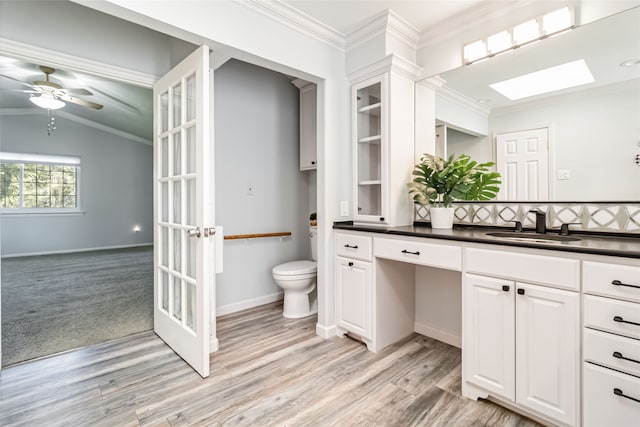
(353, 246)
(552, 271)
(423, 253)
(619, 317)
(618, 281)
(602, 406)
(614, 351)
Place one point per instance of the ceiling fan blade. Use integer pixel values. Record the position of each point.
(16, 80)
(76, 92)
(19, 90)
(82, 102)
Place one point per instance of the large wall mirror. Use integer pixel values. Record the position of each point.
(593, 129)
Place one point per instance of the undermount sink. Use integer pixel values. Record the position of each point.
(542, 238)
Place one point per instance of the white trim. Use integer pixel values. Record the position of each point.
(25, 212)
(390, 62)
(463, 100)
(246, 304)
(73, 63)
(437, 334)
(384, 22)
(40, 158)
(288, 15)
(326, 332)
(70, 251)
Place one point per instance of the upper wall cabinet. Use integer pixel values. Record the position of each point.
(382, 138)
(308, 152)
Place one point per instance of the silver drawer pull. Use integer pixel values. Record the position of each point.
(620, 393)
(351, 247)
(619, 283)
(619, 319)
(404, 251)
(619, 355)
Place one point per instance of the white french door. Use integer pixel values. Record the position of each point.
(183, 183)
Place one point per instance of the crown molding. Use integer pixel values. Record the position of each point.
(390, 62)
(74, 118)
(301, 22)
(434, 83)
(56, 59)
(463, 100)
(384, 22)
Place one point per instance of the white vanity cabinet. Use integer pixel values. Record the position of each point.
(521, 336)
(611, 389)
(354, 285)
(382, 111)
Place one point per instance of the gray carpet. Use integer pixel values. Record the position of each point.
(53, 303)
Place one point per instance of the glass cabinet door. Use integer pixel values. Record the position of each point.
(368, 152)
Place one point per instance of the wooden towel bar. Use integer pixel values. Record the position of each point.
(257, 236)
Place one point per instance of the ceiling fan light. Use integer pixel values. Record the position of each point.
(48, 102)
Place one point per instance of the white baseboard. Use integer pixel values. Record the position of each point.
(214, 344)
(250, 303)
(437, 334)
(69, 251)
(326, 332)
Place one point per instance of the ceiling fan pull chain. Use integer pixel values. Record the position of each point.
(51, 126)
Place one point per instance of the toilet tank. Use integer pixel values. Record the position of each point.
(313, 234)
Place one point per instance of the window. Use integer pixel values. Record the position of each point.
(38, 183)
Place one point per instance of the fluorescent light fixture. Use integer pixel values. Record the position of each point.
(556, 21)
(499, 42)
(526, 32)
(47, 101)
(474, 51)
(563, 76)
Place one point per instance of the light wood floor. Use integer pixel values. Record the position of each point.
(269, 371)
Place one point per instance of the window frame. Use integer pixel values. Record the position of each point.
(43, 159)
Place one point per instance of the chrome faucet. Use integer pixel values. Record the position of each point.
(541, 220)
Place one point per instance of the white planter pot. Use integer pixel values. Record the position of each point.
(441, 218)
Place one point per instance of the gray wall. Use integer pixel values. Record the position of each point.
(116, 188)
(256, 140)
(83, 32)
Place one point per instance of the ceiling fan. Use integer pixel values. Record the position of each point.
(49, 95)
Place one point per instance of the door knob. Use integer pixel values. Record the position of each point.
(194, 232)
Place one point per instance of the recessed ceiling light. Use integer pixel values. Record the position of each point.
(563, 76)
(630, 62)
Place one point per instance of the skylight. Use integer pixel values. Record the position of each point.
(563, 76)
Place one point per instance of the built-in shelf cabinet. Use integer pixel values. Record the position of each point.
(380, 174)
(369, 142)
(308, 100)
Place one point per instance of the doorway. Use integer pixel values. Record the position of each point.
(522, 158)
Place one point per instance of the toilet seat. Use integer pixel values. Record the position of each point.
(296, 268)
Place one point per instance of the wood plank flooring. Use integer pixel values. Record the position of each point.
(269, 371)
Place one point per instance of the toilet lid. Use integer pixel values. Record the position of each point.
(296, 267)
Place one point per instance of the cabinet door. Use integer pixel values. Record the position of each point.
(369, 141)
(353, 291)
(308, 127)
(547, 351)
(488, 334)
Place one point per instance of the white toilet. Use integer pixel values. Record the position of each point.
(298, 281)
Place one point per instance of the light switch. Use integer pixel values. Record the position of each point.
(563, 174)
(344, 208)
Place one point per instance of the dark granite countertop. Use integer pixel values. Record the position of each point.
(612, 245)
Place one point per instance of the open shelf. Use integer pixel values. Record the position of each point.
(371, 139)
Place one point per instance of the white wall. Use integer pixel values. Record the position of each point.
(116, 188)
(257, 145)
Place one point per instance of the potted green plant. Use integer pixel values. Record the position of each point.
(438, 182)
(313, 219)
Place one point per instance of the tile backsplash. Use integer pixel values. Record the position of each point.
(591, 216)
